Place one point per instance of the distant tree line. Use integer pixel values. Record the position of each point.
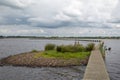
(57, 37)
(1, 36)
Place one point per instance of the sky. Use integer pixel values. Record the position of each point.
(60, 18)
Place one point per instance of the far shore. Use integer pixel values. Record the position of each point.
(58, 37)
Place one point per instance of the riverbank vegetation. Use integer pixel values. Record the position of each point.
(53, 55)
(102, 50)
(58, 37)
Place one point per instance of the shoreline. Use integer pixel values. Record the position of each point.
(27, 59)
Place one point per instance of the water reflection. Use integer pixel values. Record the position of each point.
(25, 73)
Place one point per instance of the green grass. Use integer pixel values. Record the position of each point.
(102, 50)
(66, 55)
(34, 50)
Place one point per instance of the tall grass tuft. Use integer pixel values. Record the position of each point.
(34, 50)
(90, 47)
(79, 48)
(70, 48)
(59, 48)
(49, 47)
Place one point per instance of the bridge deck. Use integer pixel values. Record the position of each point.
(96, 69)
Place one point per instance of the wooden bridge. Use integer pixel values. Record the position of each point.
(96, 69)
(90, 40)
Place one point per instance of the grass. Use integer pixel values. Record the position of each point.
(34, 50)
(49, 47)
(66, 55)
(53, 55)
(70, 48)
(102, 50)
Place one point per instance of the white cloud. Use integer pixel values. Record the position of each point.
(62, 17)
(90, 10)
(78, 17)
(20, 30)
(77, 31)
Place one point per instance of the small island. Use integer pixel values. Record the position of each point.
(52, 56)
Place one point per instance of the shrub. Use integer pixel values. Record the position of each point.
(50, 47)
(59, 48)
(34, 50)
(70, 48)
(90, 47)
(67, 48)
(79, 48)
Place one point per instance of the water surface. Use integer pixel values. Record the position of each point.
(113, 59)
(16, 46)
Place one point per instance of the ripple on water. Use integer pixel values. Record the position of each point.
(43, 73)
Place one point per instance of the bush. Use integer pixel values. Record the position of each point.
(49, 47)
(59, 48)
(90, 47)
(34, 50)
(79, 48)
(67, 48)
(70, 48)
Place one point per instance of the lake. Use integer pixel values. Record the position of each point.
(15, 46)
(113, 59)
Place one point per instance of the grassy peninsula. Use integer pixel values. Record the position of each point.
(53, 56)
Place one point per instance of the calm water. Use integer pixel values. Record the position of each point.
(113, 59)
(16, 46)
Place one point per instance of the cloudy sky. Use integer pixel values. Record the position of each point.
(60, 17)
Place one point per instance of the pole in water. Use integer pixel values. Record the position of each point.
(109, 48)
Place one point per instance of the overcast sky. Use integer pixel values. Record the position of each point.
(60, 17)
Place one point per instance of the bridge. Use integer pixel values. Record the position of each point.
(90, 40)
(96, 69)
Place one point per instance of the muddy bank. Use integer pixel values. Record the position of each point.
(28, 59)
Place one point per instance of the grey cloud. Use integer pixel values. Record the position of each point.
(57, 14)
(116, 11)
(116, 21)
(72, 23)
(52, 24)
(14, 20)
(16, 4)
(76, 20)
(9, 3)
(20, 30)
(115, 14)
(81, 24)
